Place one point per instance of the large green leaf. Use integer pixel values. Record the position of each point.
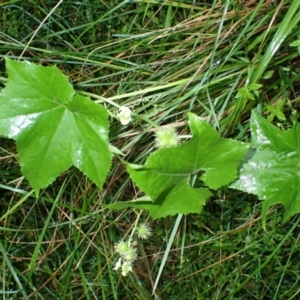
(54, 128)
(167, 173)
(273, 172)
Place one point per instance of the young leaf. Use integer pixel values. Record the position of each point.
(166, 175)
(53, 127)
(273, 172)
(254, 86)
(295, 43)
(275, 111)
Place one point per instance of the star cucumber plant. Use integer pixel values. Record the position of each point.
(55, 128)
(167, 174)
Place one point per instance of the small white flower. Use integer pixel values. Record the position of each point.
(166, 138)
(118, 264)
(131, 254)
(122, 247)
(124, 115)
(144, 231)
(126, 251)
(126, 268)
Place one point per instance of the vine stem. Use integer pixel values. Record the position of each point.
(134, 227)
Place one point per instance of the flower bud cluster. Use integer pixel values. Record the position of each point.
(166, 138)
(128, 252)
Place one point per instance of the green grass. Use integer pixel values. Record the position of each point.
(162, 60)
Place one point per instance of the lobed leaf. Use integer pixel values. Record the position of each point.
(167, 173)
(53, 127)
(273, 172)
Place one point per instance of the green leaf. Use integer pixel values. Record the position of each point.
(244, 93)
(167, 173)
(53, 127)
(295, 43)
(273, 172)
(255, 86)
(172, 203)
(271, 109)
(276, 111)
(280, 116)
(268, 74)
